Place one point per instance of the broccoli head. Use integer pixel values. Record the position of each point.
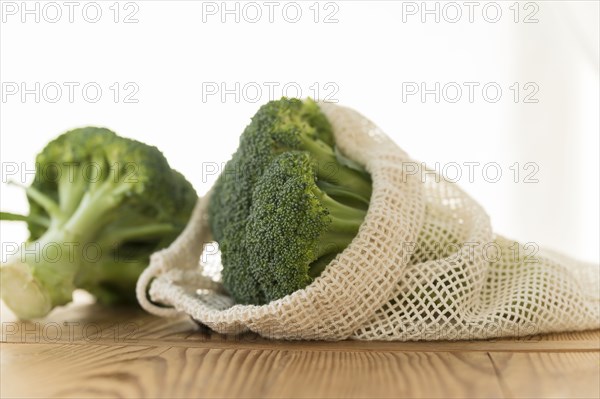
(278, 128)
(100, 204)
(293, 224)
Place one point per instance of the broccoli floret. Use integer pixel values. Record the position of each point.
(277, 128)
(280, 126)
(100, 204)
(292, 224)
(293, 124)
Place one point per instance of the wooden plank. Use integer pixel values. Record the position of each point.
(93, 324)
(55, 370)
(558, 375)
(90, 351)
(388, 374)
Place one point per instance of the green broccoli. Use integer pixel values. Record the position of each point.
(100, 204)
(279, 127)
(292, 224)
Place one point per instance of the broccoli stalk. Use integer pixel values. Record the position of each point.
(345, 222)
(32, 284)
(335, 178)
(93, 232)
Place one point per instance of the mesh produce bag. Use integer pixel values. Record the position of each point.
(425, 265)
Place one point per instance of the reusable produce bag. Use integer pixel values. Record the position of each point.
(425, 265)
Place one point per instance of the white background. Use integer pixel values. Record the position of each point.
(174, 50)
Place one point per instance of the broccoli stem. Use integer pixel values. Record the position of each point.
(94, 209)
(39, 220)
(348, 197)
(319, 265)
(342, 179)
(345, 222)
(70, 191)
(345, 219)
(41, 274)
(49, 205)
(109, 279)
(332, 243)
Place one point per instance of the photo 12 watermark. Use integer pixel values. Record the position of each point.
(54, 12)
(69, 331)
(70, 92)
(92, 253)
(259, 92)
(472, 172)
(525, 172)
(447, 248)
(470, 92)
(452, 250)
(252, 12)
(453, 12)
(21, 173)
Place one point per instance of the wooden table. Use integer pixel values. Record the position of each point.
(85, 350)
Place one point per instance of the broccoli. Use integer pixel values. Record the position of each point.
(281, 127)
(292, 224)
(100, 204)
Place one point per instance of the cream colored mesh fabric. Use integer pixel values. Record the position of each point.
(425, 265)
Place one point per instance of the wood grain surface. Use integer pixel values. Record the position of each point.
(86, 351)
